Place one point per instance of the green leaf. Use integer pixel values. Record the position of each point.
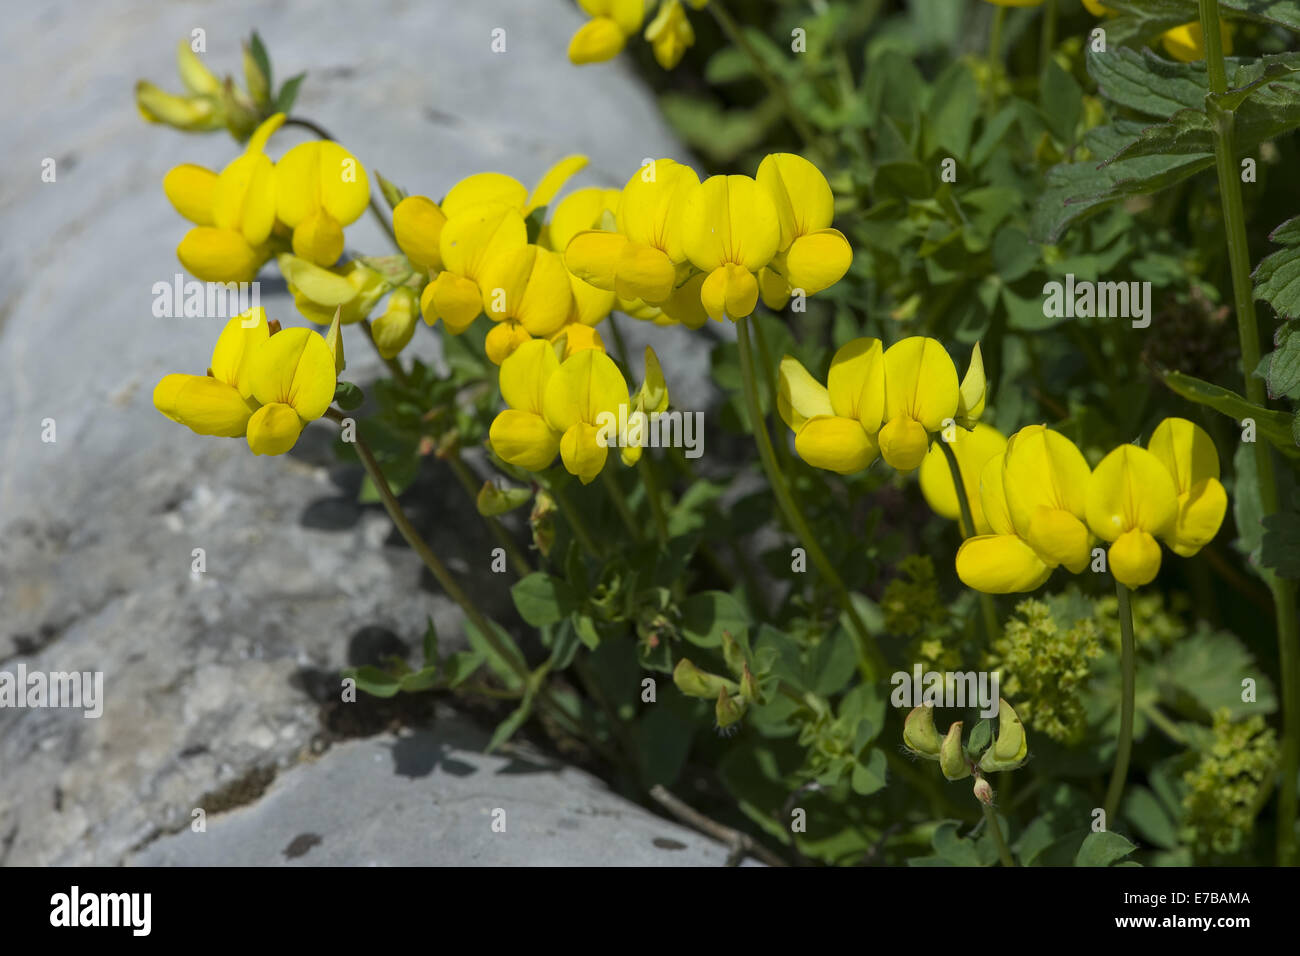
(260, 57)
(1207, 666)
(507, 667)
(457, 668)
(954, 107)
(663, 742)
(374, 681)
(416, 681)
(1061, 99)
(348, 396)
(1280, 548)
(961, 851)
(565, 647)
(1272, 425)
(1145, 812)
(1103, 849)
(288, 94)
(393, 194)
(430, 643)
(542, 599)
(508, 727)
(1277, 277)
(585, 628)
(979, 738)
(707, 614)
(869, 777)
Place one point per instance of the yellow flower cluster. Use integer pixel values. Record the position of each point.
(254, 206)
(1044, 506)
(613, 22)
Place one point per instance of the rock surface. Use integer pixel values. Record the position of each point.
(432, 798)
(98, 529)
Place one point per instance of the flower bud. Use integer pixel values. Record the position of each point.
(493, 501)
(729, 709)
(542, 522)
(749, 688)
(1011, 747)
(983, 792)
(693, 682)
(952, 759)
(732, 653)
(255, 78)
(919, 733)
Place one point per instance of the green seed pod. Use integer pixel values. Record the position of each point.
(952, 759)
(919, 733)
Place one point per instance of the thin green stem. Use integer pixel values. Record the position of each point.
(987, 608)
(646, 467)
(769, 380)
(871, 662)
(1165, 725)
(624, 510)
(466, 478)
(576, 523)
(1129, 668)
(776, 87)
(1004, 851)
(1284, 592)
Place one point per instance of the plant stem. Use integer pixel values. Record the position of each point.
(1128, 665)
(624, 510)
(374, 206)
(576, 523)
(769, 379)
(871, 662)
(467, 481)
(646, 467)
(1004, 852)
(1284, 592)
(987, 608)
(774, 86)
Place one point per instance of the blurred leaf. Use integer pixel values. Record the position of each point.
(1103, 849)
(707, 614)
(542, 599)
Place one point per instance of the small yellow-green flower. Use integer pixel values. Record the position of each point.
(319, 293)
(670, 33)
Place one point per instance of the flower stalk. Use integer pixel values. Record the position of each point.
(1127, 692)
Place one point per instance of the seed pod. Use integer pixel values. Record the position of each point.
(919, 733)
(952, 759)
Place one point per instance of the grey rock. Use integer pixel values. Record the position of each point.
(203, 671)
(431, 798)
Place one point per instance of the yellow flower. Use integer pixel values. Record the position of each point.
(575, 337)
(417, 224)
(835, 425)
(669, 34)
(580, 398)
(520, 435)
(1170, 492)
(921, 395)
(731, 230)
(1034, 497)
(812, 255)
(320, 188)
(974, 449)
(319, 293)
(393, 330)
(266, 386)
(467, 243)
(605, 34)
(643, 258)
(233, 212)
(651, 398)
(200, 111)
(1186, 43)
(527, 291)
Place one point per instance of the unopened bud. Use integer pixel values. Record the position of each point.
(952, 759)
(493, 501)
(729, 709)
(1011, 747)
(693, 682)
(919, 733)
(749, 688)
(983, 792)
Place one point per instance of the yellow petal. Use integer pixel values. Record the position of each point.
(1186, 450)
(452, 298)
(244, 198)
(818, 260)
(643, 272)
(801, 194)
(218, 255)
(654, 390)
(1200, 515)
(684, 305)
(262, 135)
(1130, 489)
(974, 390)
(238, 342)
(903, 443)
(579, 211)
(1134, 558)
(590, 305)
(993, 499)
(1059, 538)
(318, 239)
(484, 189)
(773, 289)
(653, 203)
(553, 181)
(198, 113)
(525, 373)
(196, 77)
(575, 337)
(597, 40)
(529, 285)
(274, 429)
(295, 367)
(730, 219)
(523, 439)
(856, 382)
(920, 383)
(203, 404)
(800, 397)
(1000, 564)
(326, 288)
(474, 238)
(191, 190)
(593, 256)
(1043, 469)
(835, 444)
(320, 175)
(394, 329)
(730, 291)
(973, 450)
(582, 450)
(417, 223)
(503, 339)
(584, 388)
